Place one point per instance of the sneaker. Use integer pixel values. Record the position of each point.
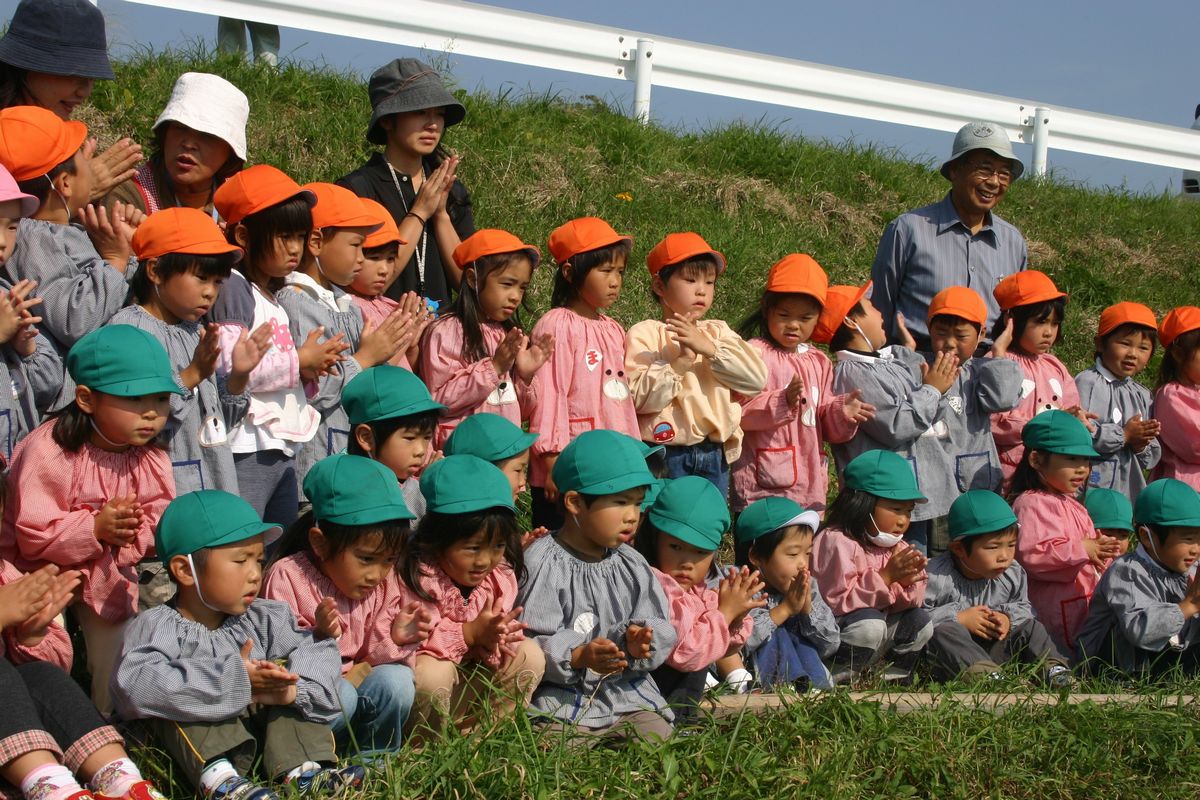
(330, 781)
(1059, 677)
(239, 788)
(740, 681)
(142, 790)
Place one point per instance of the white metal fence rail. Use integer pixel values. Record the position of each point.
(483, 31)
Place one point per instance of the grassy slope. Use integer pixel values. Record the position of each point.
(532, 163)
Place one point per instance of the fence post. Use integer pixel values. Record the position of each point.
(1041, 141)
(643, 66)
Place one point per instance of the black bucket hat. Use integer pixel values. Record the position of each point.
(58, 37)
(407, 84)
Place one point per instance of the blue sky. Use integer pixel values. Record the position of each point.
(1118, 58)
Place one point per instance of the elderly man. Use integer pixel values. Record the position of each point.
(957, 241)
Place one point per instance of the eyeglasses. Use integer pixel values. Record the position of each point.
(986, 171)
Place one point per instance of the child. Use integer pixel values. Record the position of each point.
(1142, 619)
(52, 733)
(220, 674)
(336, 570)
(29, 364)
(392, 419)
(683, 369)
(787, 425)
(464, 564)
(315, 301)
(1111, 513)
(795, 632)
(1062, 553)
(978, 602)
(477, 358)
(583, 386)
(1125, 435)
(182, 262)
(1033, 309)
(81, 284)
(377, 273)
(874, 584)
(270, 218)
(1177, 398)
(679, 539)
(90, 484)
(495, 439)
(594, 605)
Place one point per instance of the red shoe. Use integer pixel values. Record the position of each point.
(142, 790)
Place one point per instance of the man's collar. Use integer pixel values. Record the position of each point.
(947, 216)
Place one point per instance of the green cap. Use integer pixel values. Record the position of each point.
(488, 436)
(462, 484)
(352, 490)
(122, 360)
(692, 510)
(883, 474)
(653, 489)
(770, 514)
(978, 512)
(601, 462)
(647, 448)
(1109, 509)
(386, 392)
(1058, 432)
(1168, 502)
(208, 518)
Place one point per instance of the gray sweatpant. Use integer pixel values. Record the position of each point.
(953, 649)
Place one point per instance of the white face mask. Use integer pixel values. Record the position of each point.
(881, 539)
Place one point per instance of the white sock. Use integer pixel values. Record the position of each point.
(50, 782)
(115, 778)
(307, 766)
(214, 774)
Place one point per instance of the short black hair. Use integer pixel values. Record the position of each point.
(393, 535)
(288, 218)
(382, 429)
(40, 186)
(763, 547)
(581, 264)
(205, 266)
(380, 252)
(954, 319)
(755, 323)
(437, 531)
(851, 512)
(689, 266)
(968, 542)
(1127, 328)
(844, 333)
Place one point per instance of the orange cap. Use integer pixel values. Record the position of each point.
(1026, 288)
(798, 273)
(180, 230)
(489, 242)
(839, 302)
(1120, 314)
(1177, 322)
(387, 232)
(338, 207)
(34, 141)
(959, 301)
(581, 236)
(676, 247)
(251, 190)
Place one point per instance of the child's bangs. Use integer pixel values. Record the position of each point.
(289, 218)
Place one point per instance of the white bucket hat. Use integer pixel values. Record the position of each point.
(209, 104)
(982, 136)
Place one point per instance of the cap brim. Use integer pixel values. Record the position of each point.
(416, 408)
(951, 311)
(372, 516)
(1126, 525)
(140, 387)
(1018, 167)
(621, 483)
(652, 493)
(269, 531)
(472, 504)
(518, 445)
(901, 495)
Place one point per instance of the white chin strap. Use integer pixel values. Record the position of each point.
(100, 433)
(196, 579)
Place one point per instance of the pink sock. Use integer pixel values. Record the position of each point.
(115, 778)
(50, 782)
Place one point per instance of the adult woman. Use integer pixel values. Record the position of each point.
(51, 56)
(414, 177)
(199, 141)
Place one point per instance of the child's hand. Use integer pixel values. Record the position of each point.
(738, 593)
(118, 521)
(412, 624)
(531, 537)
(906, 566)
(599, 655)
(1086, 417)
(204, 359)
(794, 390)
(14, 309)
(487, 629)
(533, 354)
(980, 621)
(904, 337)
(26, 596)
(60, 595)
(943, 373)
(1003, 341)
(639, 641)
(1139, 433)
(380, 342)
(269, 682)
(507, 350)
(249, 351)
(688, 336)
(798, 597)
(112, 235)
(329, 621)
(318, 358)
(856, 410)
(1190, 604)
(1003, 624)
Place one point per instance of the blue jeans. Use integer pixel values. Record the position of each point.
(376, 710)
(706, 459)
